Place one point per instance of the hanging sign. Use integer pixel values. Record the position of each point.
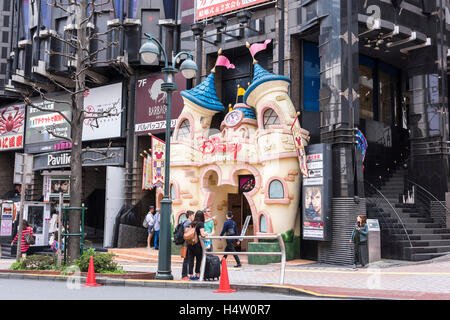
(157, 162)
(296, 133)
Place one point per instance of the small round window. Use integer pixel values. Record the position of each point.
(276, 190)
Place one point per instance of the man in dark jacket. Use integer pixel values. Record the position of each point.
(230, 229)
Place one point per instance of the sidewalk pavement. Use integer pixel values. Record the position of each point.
(386, 279)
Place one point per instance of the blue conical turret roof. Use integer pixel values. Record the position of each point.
(204, 95)
(260, 76)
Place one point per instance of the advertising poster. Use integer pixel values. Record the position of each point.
(7, 210)
(40, 123)
(12, 123)
(157, 162)
(211, 8)
(103, 106)
(6, 228)
(316, 194)
(58, 185)
(151, 104)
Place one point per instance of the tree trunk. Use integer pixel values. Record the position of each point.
(76, 178)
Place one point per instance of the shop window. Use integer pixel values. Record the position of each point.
(263, 224)
(385, 98)
(172, 192)
(184, 130)
(311, 76)
(366, 92)
(276, 190)
(270, 117)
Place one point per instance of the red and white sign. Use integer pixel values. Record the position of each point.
(214, 145)
(211, 8)
(157, 162)
(12, 122)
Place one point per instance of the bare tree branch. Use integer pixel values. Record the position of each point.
(51, 52)
(111, 44)
(28, 102)
(51, 130)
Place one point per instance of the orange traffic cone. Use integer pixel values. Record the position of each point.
(90, 281)
(224, 285)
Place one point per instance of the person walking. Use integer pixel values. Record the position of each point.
(149, 224)
(27, 232)
(230, 229)
(157, 227)
(186, 224)
(359, 240)
(195, 250)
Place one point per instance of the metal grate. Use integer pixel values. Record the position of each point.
(339, 251)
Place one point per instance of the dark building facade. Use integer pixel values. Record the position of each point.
(379, 66)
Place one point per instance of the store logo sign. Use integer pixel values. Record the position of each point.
(62, 159)
(210, 146)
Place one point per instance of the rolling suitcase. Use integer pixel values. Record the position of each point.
(212, 268)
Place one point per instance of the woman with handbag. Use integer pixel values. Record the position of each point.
(183, 253)
(194, 248)
(359, 239)
(27, 238)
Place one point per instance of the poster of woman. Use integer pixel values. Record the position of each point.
(313, 203)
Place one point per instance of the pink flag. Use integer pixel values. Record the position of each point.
(257, 47)
(224, 62)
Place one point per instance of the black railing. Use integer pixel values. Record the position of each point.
(425, 198)
(378, 198)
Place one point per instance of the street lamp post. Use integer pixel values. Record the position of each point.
(149, 53)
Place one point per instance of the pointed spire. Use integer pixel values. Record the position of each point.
(204, 95)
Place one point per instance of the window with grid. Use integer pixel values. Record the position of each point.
(270, 117)
(184, 130)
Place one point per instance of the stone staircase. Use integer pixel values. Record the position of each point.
(412, 235)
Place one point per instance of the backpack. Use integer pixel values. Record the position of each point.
(178, 234)
(148, 220)
(190, 236)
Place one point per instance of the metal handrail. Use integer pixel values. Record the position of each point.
(282, 253)
(429, 193)
(389, 203)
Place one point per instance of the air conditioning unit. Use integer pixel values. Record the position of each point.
(132, 29)
(48, 44)
(113, 51)
(25, 57)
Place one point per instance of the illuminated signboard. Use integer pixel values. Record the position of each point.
(211, 8)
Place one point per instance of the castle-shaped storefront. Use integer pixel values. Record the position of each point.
(250, 166)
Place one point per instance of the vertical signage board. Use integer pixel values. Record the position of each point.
(317, 194)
